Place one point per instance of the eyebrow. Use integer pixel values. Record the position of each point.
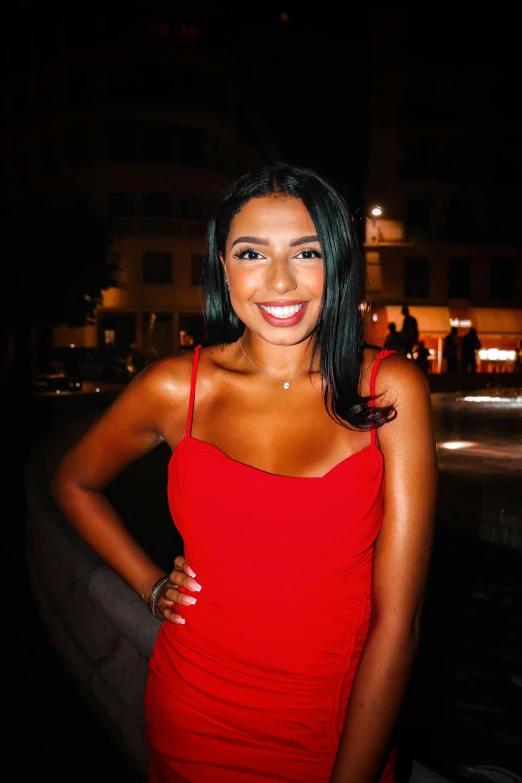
(263, 241)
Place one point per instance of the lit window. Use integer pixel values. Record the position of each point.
(157, 267)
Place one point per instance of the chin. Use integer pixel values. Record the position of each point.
(279, 335)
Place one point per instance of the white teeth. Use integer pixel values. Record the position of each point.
(283, 312)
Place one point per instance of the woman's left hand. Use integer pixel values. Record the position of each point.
(181, 575)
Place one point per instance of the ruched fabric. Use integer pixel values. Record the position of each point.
(254, 687)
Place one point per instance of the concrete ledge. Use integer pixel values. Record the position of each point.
(102, 631)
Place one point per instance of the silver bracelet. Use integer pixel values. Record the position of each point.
(156, 587)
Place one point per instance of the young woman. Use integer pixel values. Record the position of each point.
(302, 480)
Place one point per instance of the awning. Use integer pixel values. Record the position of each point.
(430, 320)
(497, 320)
(488, 321)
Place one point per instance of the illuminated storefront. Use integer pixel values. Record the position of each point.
(498, 329)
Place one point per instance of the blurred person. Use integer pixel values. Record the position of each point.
(517, 368)
(393, 340)
(422, 356)
(450, 350)
(186, 340)
(151, 355)
(135, 359)
(289, 658)
(409, 331)
(468, 351)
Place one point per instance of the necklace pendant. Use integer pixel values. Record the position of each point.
(286, 385)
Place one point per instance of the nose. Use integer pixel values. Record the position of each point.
(281, 276)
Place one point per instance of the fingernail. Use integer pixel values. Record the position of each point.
(179, 620)
(189, 571)
(194, 585)
(188, 599)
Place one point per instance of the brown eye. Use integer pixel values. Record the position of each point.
(309, 254)
(247, 255)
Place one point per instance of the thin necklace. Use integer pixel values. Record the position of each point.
(285, 384)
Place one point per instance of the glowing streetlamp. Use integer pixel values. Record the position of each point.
(375, 212)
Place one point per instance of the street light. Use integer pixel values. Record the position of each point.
(375, 212)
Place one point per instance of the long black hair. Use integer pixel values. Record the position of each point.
(339, 335)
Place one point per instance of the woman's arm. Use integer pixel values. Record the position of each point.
(137, 421)
(400, 569)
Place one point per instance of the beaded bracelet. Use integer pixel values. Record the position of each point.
(156, 587)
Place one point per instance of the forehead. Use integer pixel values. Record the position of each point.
(268, 214)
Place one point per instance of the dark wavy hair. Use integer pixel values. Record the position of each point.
(339, 335)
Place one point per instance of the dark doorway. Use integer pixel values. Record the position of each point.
(116, 333)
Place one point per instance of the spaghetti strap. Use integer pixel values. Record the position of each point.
(192, 394)
(381, 355)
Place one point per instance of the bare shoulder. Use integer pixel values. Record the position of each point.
(397, 377)
(165, 379)
(400, 381)
(165, 384)
(156, 399)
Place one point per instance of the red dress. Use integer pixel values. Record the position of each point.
(254, 687)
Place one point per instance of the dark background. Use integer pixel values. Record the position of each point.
(304, 78)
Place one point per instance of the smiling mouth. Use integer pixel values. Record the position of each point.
(283, 312)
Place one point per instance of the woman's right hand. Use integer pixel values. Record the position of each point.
(181, 575)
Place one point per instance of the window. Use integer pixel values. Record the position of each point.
(21, 169)
(77, 86)
(123, 80)
(190, 147)
(501, 279)
(157, 267)
(116, 25)
(460, 222)
(418, 160)
(157, 205)
(503, 218)
(157, 143)
(417, 213)
(120, 204)
(459, 278)
(121, 143)
(159, 82)
(47, 100)
(19, 101)
(462, 160)
(417, 277)
(420, 100)
(158, 28)
(48, 155)
(190, 208)
(196, 270)
(79, 28)
(77, 146)
(188, 31)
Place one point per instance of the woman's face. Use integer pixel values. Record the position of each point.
(274, 266)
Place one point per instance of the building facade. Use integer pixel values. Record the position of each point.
(136, 115)
(443, 188)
